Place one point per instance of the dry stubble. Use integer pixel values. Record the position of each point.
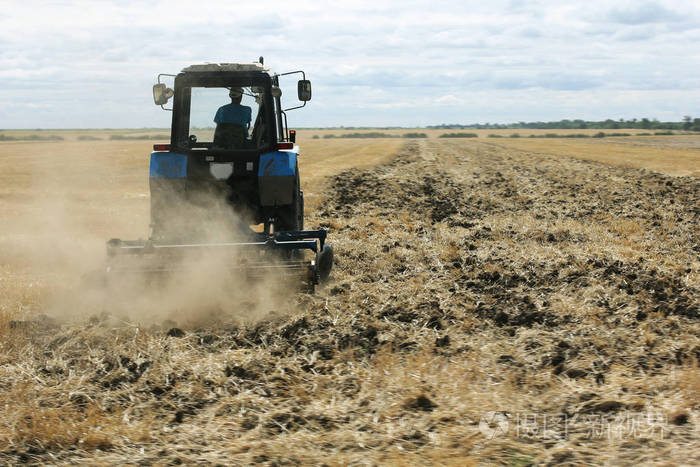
(469, 278)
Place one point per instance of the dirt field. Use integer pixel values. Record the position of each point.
(493, 301)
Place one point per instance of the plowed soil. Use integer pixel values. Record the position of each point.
(488, 305)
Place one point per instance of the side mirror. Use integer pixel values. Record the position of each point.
(304, 90)
(161, 94)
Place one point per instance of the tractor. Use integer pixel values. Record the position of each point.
(228, 181)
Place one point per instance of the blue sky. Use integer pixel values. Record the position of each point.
(80, 64)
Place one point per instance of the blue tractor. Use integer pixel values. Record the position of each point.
(228, 182)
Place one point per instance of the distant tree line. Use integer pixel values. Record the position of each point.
(373, 134)
(458, 135)
(138, 137)
(688, 124)
(600, 134)
(31, 138)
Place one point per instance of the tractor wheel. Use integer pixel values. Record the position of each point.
(324, 263)
(292, 217)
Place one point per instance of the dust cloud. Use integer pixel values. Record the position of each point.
(59, 240)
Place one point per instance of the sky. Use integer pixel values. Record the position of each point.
(91, 64)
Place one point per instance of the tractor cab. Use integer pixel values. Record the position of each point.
(208, 117)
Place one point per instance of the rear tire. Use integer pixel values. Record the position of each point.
(292, 217)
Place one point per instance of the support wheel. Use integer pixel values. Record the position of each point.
(324, 263)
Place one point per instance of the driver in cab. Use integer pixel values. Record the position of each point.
(234, 113)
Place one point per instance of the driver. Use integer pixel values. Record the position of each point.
(234, 112)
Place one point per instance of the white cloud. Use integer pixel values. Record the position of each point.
(643, 13)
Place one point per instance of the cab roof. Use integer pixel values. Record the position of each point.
(209, 67)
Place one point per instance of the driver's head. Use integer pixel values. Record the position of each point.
(236, 94)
